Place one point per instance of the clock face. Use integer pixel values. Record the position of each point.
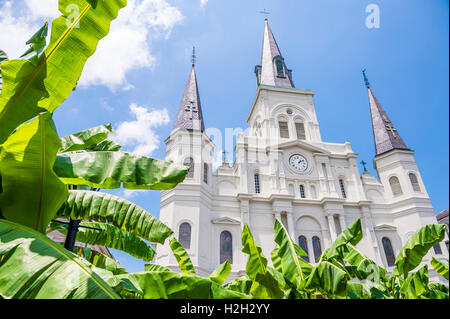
(298, 163)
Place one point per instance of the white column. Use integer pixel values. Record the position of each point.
(291, 228)
(332, 227)
(342, 221)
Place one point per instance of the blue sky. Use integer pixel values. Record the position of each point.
(146, 63)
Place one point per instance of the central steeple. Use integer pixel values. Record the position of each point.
(190, 116)
(273, 70)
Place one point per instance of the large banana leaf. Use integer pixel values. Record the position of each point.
(221, 273)
(440, 267)
(171, 285)
(109, 170)
(28, 89)
(352, 234)
(100, 261)
(240, 284)
(32, 193)
(182, 257)
(265, 286)
(84, 139)
(361, 266)
(112, 237)
(416, 285)
(357, 290)
(416, 247)
(33, 266)
(438, 291)
(328, 278)
(105, 146)
(3, 58)
(291, 266)
(154, 267)
(37, 45)
(106, 208)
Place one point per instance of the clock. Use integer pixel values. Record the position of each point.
(298, 163)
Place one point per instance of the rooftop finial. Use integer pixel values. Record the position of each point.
(194, 57)
(265, 12)
(365, 79)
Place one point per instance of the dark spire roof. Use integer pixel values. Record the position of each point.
(385, 135)
(190, 116)
(267, 72)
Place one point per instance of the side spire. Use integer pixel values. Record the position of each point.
(385, 135)
(190, 116)
(273, 69)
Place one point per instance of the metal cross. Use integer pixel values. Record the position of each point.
(194, 57)
(364, 165)
(265, 12)
(389, 126)
(224, 154)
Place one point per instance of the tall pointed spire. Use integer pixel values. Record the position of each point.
(190, 116)
(385, 135)
(273, 69)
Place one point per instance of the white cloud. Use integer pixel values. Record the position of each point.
(127, 47)
(139, 135)
(203, 3)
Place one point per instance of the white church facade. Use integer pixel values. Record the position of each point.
(283, 169)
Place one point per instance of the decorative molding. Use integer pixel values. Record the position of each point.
(385, 227)
(226, 221)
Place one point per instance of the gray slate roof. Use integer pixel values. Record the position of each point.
(384, 133)
(267, 69)
(190, 116)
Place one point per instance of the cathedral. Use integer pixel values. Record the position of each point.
(283, 169)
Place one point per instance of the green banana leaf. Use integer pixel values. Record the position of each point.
(100, 261)
(171, 285)
(265, 286)
(182, 257)
(29, 89)
(240, 284)
(352, 234)
(37, 45)
(105, 146)
(34, 267)
(416, 284)
(357, 290)
(328, 279)
(84, 139)
(107, 208)
(111, 237)
(154, 267)
(221, 273)
(416, 247)
(438, 291)
(110, 170)
(361, 266)
(441, 268)
(3, 58)
(31, 192)
(291, 266)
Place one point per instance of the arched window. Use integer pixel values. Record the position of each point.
(300, 129)
(257, 186)
(302, 191)
(284, 129)
(414, 182)
(437, 249)
(302, 242)
(395, 186)
(388, 251)
(226, 247)
(317, 248)
(184, 235)
(280, 67)
(342, 186)
(189, 162)
(205, 173)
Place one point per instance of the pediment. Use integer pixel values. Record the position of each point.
(226, 221)
(303, 145)
(385, 227)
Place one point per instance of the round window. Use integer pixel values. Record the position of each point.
(289, 111)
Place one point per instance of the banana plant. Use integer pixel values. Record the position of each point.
(30, 88)
(51, 272)
(3, 58)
